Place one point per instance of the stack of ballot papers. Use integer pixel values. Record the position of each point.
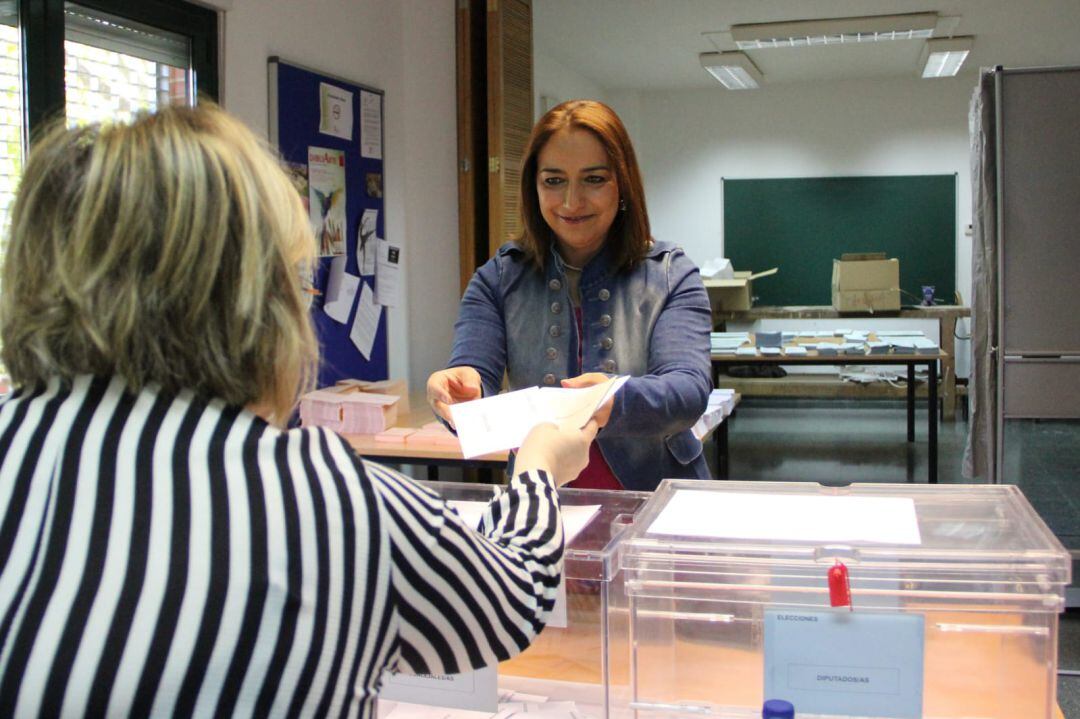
(916, 345)
(878, 348)
(795, 351)
(396, 387)
(721, 404)
(433, 433)
(348, 410)
(511, 704)
(727, 342)
(493, 424)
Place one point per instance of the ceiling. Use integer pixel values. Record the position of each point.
(654, 44)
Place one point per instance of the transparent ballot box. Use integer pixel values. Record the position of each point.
(737, 593)
(568, 660)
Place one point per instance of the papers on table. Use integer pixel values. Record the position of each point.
(721, 404)
(720, 341)
(511, 704)
(788, 517)
(348, 411)
(795, 351)
(501, 422)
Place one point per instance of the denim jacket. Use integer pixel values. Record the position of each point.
(651, 323)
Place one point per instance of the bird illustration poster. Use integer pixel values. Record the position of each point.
(326, 199)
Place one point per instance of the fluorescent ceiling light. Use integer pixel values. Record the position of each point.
(943, 58)
(734, 70)
(814, 33)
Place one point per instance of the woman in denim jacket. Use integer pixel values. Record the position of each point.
(584, 294)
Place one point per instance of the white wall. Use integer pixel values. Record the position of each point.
(558, 82)
(687, 141)
(405, 47)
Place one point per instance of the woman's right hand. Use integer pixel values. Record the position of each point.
(451, 386)
(562, 452)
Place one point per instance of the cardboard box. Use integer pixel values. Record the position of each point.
(734, 294)
(866, 282)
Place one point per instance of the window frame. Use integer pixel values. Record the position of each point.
(41, 23)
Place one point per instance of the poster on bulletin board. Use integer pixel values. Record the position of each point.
(329, 132)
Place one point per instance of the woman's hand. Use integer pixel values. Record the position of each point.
(451, 386)
(603, 413)
(562, 452)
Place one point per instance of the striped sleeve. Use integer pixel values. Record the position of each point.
(465, 599)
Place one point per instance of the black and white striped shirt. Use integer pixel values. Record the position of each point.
(168, 555)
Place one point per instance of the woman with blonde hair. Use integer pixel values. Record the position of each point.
(585, 293)
(166, 546)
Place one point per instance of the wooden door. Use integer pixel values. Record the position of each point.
(495, 116)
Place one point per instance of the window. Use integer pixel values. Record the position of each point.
(11, 113)
(115, 67)
(91, 61)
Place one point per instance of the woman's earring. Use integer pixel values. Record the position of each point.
(622, 205)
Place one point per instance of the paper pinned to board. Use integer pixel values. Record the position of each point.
(366, 323)
(341, 290)
(387, 273)
(497, 423)
(335, 111)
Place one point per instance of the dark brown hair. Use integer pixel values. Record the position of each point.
(629, 234)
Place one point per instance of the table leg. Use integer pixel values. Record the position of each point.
(720, 439)
(931, 411)
(911, 402)
(947, 328)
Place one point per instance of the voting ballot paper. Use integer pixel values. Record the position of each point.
(493, 424)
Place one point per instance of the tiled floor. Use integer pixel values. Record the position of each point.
(830, 441)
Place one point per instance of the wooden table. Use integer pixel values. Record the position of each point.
(946, 315)
(434, 456)
(428, 454)
(911, 361)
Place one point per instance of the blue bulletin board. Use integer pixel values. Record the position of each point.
(330, 135)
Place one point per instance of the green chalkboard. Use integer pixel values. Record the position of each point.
(802, 224)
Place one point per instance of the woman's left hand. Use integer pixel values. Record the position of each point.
(603, 414)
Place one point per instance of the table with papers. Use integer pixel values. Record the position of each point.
(425, 451)
(745, 353)
(946, 315)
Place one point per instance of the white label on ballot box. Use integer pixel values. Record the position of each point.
(845, 663)
(476, 690)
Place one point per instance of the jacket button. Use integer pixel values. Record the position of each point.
(605, 320)
(552, 353)
(554, 331)
(554, 285)
(607, 343)
(549, 379)
(609, 365)
(556, 308)
(605, 295)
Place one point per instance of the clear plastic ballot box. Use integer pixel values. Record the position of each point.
(568, 661)
(869, 600)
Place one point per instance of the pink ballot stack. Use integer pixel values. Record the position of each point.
(434, 433)
(352, 407)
